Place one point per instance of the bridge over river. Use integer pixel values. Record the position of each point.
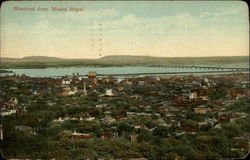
(202, 67)
(163, 73)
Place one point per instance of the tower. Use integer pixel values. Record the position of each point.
(85, 90)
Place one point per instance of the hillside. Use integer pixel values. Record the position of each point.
(40, 58)
(31, 59)
(175, 60)
(115, 60)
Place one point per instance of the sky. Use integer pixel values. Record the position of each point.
(146, 28)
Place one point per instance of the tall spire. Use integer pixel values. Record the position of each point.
(85, 90)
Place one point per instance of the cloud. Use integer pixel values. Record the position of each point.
(222, 11)
(182, 20)
(131, 24)
(71, 33)
(128, 20)
(105, 13)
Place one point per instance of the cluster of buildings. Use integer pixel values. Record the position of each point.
(165, 101)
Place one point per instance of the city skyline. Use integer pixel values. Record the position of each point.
(97, 29)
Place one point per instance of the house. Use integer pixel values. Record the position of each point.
(141, 83)
(138, 126)
(107, 112)
(90, 119)
(120, 88)
(193, 95)
(109, 93)
(157, 78)
(180, 133)
(133, 137)
(101, 105)
(66, 81)
(59, 120)
(127, 82)
(201, 109)
(76, 135)
(189, 129)
(239, 93)
(224, 119)
(64, 93)
(6, 112)
(179, 99)
(26, 129)
(68, 91)
(173, 109)
(13, 101)
(204, 98)
(202, 124)
(119, 80)
(107, 135)
(241, 114)
(218, 126)
(109, 119)
(234, 118)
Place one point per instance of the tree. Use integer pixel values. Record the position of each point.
(218, 95)
(122, 126)
(97, 112)
(216, 144)
(171, 156)
(161, 131)
(145, 149)
(61, 154)
(231, 130)
(144, 136)
(185, 150)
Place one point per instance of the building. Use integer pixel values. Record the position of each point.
(6, 112)
(201, 109)
(13, 101)
(138, 126)
(25, 129)
(91, 75)
(193, 95)
(107, 135)
(76, 135)
(133, 137)
(66, 81)
(109, 92)
(85, 90)
(59, 120)
(92, 79)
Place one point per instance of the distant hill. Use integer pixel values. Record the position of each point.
(40, 58)
(118, 60)
(175, 60)
(31, 59)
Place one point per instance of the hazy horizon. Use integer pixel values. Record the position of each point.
(142, 28)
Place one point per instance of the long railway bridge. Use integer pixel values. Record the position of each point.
(202, 67)
(199, 70)
(159, 73)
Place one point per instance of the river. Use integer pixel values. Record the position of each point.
(53, 72)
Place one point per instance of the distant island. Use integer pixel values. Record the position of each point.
(117, 61)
